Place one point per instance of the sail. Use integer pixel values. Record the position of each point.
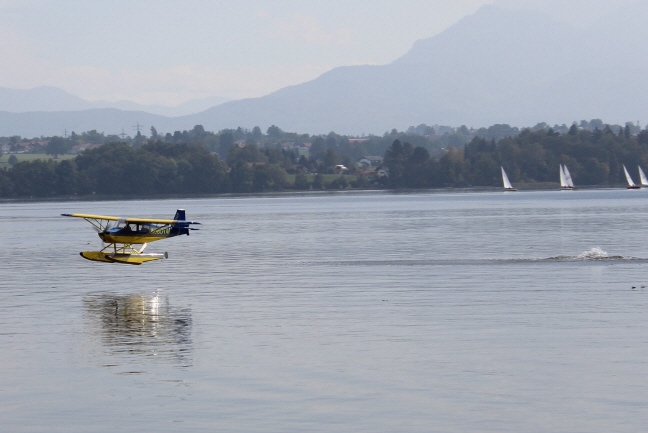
(568, 178)
(628, 178)
(505, 180)
(563, 180)
(642, 176)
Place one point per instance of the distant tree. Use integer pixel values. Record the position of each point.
(361, 182)
(14, 143)
(274, 132)
(318, 181)
(36, 178)
(66, 177)
(113, 138)
(497, 131)
(395, 159)
(416, 167)
(333, 140)
(93, 137)
(301, 182)
(179, 137)
(257, 134)
(268, 177)
(226, 140)
(317, 149)
(6, 185)
(13, 160)
(139, 139)
(338, 183)
(452, 167)
(241, 177)
(596, 123)
(249, 153)
(421, 129)
(330, 160)
(211, 142)
(198, 134)
(201, 172)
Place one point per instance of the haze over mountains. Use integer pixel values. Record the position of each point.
(48, 98)
(496, 66)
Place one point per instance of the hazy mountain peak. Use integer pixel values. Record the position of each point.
(515, 67)
(492, 34)
(41, 98)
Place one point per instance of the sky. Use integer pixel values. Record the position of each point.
(167, 52)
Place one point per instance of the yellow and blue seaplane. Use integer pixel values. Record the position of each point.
(121, 234)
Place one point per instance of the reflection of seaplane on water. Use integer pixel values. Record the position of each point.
(138, 324)
(122, 233)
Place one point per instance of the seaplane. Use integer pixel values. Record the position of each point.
(122, 235)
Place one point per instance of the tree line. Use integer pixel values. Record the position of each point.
(530, 156)
(164, 169)
(435, 139)
(594, 157)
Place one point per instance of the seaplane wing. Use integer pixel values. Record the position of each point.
(126, 232)
(98, 217)
(100, 222)
(128, 220)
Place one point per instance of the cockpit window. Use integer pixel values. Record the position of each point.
(120, 224)
(140, 228)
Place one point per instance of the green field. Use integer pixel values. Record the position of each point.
(4, 159)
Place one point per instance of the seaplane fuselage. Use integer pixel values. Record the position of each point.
(133, 232)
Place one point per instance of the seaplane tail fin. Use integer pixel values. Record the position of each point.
(180, 215)
(183, 225)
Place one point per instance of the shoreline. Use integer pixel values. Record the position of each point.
(468, 189)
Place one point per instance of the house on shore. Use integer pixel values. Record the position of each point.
(370, 161)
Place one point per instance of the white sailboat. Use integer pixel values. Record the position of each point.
(506, 182)
(642, 176)
(566, 182)
(631, 184)
(568, 178)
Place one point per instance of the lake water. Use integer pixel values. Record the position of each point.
(346, 312)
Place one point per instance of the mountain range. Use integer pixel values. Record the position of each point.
(495, 66)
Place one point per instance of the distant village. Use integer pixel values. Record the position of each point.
(40, 146)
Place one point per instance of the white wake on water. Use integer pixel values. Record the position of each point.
(592, 254)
